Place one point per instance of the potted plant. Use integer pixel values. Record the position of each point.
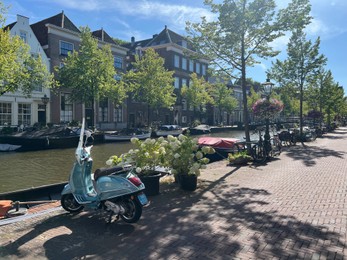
(146, 157)
(239, 157)
(186, 158)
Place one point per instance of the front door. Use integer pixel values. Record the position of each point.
(89, 117)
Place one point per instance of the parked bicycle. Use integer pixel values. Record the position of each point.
(260, 149)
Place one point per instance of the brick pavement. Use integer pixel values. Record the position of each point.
(293, 207)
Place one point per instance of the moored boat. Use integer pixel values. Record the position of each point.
(165, 130)
(200, 130)
(126, 135)
(222, 146)
(9, 147)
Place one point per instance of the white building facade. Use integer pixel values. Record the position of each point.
(15, 108)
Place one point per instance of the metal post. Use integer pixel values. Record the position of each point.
(45, 101)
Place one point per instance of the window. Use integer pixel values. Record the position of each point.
(118, 115)
(103, 110)
(191, 65)
(65, 48)
(184, 64)
(203, 69)
(184, 104)
(177, 61)
(184, 44)
(65, 108)
(5, 113)
(197, 67)
(24, 114)
(184, 82)
(118, 62)
(177, 82)
(23, 36)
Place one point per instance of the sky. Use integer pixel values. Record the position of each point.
(142, 19)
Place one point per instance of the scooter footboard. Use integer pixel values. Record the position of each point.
(114, 186)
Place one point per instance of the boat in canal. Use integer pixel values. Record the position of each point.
(199, 130)
(9, 147)
(48, 138)
(222, 146)
(126, 135)
(165, 130)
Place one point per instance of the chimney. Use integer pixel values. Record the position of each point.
(62, 19)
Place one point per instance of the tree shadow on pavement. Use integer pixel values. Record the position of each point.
(309, 154)
(216, 221)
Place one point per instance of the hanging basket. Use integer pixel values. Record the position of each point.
(267, 108)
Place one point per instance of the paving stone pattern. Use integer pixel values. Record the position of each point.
(293, 207)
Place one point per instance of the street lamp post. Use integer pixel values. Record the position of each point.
(45, 101)
(267, 88)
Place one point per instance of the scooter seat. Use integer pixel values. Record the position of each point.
(108, 171)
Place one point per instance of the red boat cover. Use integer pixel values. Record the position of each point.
(217, 142)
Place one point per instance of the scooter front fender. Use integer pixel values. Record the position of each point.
(66, 190)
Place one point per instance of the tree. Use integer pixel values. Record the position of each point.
(303, 61)
(197, 94)
(150, 81)
(242, 33)
(89, 73)
(19, 71)
(223, 99)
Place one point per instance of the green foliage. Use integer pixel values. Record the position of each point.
(89, 73)
(19, 71)
(302, 62)
(239, 157)
(242, 35)
(197, 94)
(223, 98)
(150, 81)
(119, 41)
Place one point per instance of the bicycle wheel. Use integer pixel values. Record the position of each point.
(258, 153)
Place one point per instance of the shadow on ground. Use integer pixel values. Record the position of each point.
(207, 223)
(309, 152)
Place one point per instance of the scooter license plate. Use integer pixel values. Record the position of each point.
(142, 198)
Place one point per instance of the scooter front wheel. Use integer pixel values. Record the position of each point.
(133, 210)
(69, 203)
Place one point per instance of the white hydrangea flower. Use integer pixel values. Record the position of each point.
(177, 156)
(109, 162)
(182, 137)
(199, 155)
(134, 140)
(138, 170)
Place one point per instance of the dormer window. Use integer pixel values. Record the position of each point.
(65, 48)
(23, 36)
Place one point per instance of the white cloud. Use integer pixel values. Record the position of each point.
(172, 14)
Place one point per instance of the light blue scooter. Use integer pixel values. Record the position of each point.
(117, 190)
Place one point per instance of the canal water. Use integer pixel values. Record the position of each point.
(33, 169)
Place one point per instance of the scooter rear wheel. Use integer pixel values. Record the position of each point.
(69, 203)
(133, 210)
